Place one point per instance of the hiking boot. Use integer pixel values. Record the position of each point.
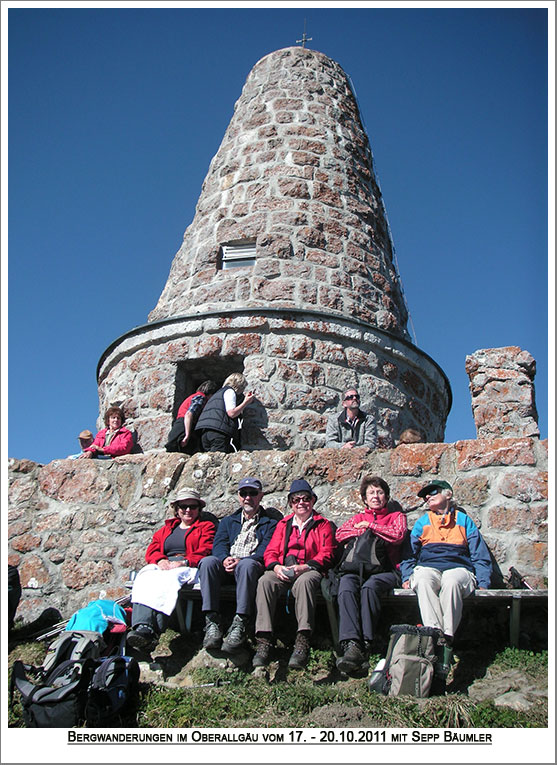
(300, 654)
(263, 648)
(353, 658)
(236, 635)
(213, 633)
(142, 638)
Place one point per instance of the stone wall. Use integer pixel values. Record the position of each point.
(76, 528)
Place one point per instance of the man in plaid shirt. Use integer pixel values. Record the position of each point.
(237, 557)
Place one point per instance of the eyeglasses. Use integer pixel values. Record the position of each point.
(248, 492)
(432, 493)
(352, 396)
(301, 498)
(183, 506)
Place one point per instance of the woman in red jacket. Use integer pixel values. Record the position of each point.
(300, 551)
(112, 441)
(359, 603)
(172, 557)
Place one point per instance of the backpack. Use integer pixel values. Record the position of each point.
(113, 685)
(409, 664)
(58, 699)
(75, 645)
(364, 555)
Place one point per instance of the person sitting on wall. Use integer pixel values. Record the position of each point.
(359, 602)
(301, 550)
(112, 441)
(446, 561)
(172, 557)
(182, 436)
(411, 436)
(219, 422)
(85, 439)
(352, 427)
(237, 558)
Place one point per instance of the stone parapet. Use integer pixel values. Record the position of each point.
(298, 367)
(76, 528)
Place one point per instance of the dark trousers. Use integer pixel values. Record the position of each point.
(359, 605)
(212, 575)
(215, 441)
(145, 615)
(176, 434)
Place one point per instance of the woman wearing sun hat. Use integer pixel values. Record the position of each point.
(172, 559)
(447, 560)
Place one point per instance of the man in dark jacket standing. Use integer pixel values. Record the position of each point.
(352, 427)
(237, 556)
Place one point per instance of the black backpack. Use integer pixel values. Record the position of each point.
(75, 684)
(113, 685)
(364, 555)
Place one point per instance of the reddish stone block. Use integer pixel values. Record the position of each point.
(334, 465)
(529, 519)
(301, 348)
(526, 487)
(471, 491)
(33, 572)
(22, 489)
(76, 576)
(495, 451)
(22, 466)
(244, 344)
(57, 541)
(312, 373)
(415, 459)
(18, 528)
(25, 543)
(207, 346)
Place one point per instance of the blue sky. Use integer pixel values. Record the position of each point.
(115, 113)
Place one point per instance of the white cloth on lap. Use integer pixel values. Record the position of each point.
(159, 589)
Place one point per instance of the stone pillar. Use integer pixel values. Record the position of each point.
(502, 388)
(287, 274)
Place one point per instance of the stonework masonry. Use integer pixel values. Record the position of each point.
(502, 388)
(76, 528)
(317, 307)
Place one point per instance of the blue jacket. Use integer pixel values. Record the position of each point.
(229, 528)
(445, 542)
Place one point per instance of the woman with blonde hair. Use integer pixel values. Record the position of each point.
(219, 422)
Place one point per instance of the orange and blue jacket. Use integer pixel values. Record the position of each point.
(447, 541)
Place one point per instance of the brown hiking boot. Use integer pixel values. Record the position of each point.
(263, 648)
(300, 654)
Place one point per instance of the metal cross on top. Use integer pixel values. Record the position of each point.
(305, 38)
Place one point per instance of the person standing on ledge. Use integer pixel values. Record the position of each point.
(352, 427)
(219, 422)
(182, 436)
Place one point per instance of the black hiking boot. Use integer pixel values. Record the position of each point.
(353, 658)
(142, 638)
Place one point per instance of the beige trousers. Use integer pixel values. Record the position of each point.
(440, 595)
(270, 588)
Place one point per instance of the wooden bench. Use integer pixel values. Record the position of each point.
(512, 599)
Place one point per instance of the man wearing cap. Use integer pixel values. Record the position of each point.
(447, 560)
(352, 427)
(237, 557)
(300, 551)
(85, 439)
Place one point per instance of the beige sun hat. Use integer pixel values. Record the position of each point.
(187, 493)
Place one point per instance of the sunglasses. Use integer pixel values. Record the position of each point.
(183, 506)
(352, 396)
(299, 499)
(248, 492)
(432, 493)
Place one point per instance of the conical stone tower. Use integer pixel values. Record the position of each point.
(286, 273)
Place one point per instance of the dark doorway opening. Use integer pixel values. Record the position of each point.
(191, 373)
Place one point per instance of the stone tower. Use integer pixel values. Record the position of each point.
(286, 273)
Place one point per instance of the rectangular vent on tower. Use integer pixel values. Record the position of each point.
(238, 255)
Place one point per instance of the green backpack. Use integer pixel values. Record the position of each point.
(409, 664)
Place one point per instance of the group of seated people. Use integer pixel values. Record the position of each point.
(266, 555)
